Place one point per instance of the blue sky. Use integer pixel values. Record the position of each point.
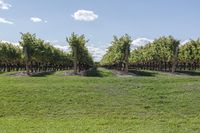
(99, 20)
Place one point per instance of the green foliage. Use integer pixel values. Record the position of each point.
(10, 53)
(190, 52)
(40, 51)
(117, 52)
(80, 53)
(161, 50)
(28, 42)
(36, 55)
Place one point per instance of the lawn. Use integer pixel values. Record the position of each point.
(150, 102)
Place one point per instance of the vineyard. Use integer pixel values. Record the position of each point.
(104, 66)
(35, 55)
(127, 91)
(163, 54)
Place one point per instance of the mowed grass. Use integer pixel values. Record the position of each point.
(158, 103)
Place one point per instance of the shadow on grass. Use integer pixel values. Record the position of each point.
(190, 73)
(2, 72)
(94, 72)
(98, 72)
(43, 74)
(143, 73)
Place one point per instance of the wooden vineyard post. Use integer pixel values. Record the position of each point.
(26, 59)
(174, 61)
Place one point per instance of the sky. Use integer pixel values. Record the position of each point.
(99, 20)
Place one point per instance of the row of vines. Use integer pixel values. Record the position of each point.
(163, 54)
(117, 56)
(35, 55)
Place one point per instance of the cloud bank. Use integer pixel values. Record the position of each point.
(140, 42)
(185, 42)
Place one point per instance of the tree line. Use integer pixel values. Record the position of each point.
(35, 55)
(163, 54)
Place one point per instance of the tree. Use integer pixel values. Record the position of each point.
(190, 54)
(158, 54)
(42, 56)
(126, 42)
(28, 44)
(81, 57)
(10, 56)
(118, 54)
(175, 47)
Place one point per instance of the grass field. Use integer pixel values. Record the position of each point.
(148, 103)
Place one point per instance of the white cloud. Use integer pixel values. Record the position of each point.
(97, 53)
(5, 41)
(4, 6)
(4, 21)
(37, 20)
(140, 42)
(64, 48)
(13, 43)
(85, 15)
(184, 42)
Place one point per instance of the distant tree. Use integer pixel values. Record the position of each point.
(28, 44)
(118, 53)
(126, 43)
(10, 55)
(81, 57)
(190, 53)
(163, 50)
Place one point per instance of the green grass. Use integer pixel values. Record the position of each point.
(161, 103)
(100, 72)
